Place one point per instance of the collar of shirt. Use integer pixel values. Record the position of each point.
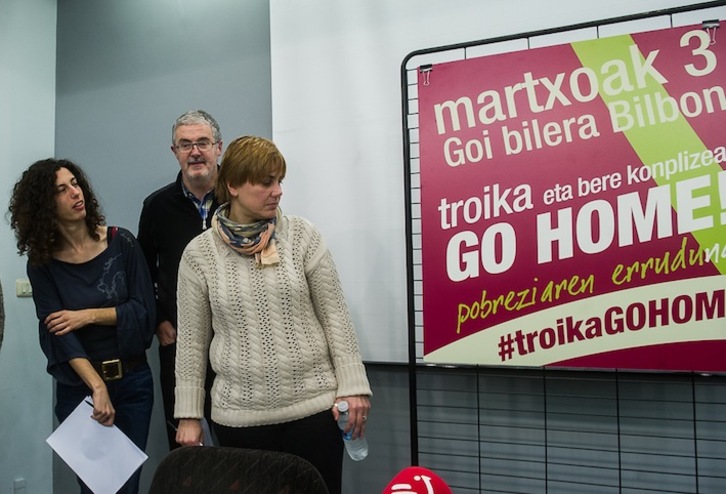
(204, 206)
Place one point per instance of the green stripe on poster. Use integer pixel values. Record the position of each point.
(640, 107)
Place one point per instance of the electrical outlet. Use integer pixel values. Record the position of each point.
(19, 486)
(23, 288)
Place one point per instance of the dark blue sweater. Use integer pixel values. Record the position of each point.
(118, 277)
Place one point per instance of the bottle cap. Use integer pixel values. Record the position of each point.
(342, 406)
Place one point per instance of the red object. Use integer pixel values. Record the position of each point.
(417, 480)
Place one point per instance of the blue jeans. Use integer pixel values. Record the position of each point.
(132, 398)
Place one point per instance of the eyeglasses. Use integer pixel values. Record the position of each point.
(203, 145)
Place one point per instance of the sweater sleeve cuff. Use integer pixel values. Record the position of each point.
(352, 380)
(189, 403)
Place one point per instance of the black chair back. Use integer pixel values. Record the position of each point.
(212, 470)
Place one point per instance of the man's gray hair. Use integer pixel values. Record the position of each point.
(196, 117)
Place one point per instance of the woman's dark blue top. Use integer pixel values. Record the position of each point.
(117, 277)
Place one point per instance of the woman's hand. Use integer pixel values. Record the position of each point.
(190, 432)
(358, 409)
(103, 411)
(65, 321)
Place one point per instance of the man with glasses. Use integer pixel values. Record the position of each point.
(170, 218)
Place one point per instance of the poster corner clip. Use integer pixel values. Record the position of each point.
(710, 26)
(426, 71)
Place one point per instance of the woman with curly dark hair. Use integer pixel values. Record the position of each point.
(93, 298)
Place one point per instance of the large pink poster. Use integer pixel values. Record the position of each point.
(573, 203)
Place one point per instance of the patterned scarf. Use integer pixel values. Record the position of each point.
(257, 238)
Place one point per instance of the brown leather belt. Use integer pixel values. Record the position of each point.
(113, 369)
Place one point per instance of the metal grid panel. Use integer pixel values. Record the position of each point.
(516, 431)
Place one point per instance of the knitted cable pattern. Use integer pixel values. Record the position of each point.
(282, 344)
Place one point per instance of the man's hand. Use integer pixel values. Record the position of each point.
(166, 333)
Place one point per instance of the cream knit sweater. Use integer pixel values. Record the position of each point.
(279, 338)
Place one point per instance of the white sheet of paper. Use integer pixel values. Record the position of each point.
(103, 457)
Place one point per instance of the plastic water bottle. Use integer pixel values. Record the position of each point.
(357, 448)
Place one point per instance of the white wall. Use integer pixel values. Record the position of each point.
(337, 117)
(27, 106)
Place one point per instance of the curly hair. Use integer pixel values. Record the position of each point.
(32, 208)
